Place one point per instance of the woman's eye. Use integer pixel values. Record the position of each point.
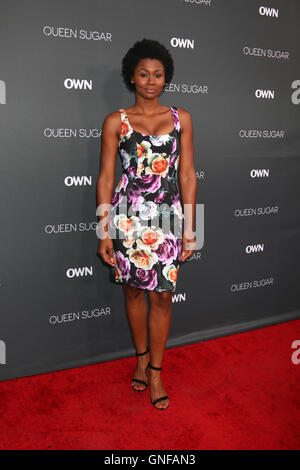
(144, 75)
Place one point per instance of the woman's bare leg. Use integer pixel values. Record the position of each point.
(159, 325)
(136, 308)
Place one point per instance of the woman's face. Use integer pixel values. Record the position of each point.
(149, 78)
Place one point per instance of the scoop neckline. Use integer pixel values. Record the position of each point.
(150, 135)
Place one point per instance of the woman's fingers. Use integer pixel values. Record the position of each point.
(112, 259)
(186, 254)
(108, 256)
(188, 249)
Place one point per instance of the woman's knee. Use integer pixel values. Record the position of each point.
(161, 300)
(132, 292)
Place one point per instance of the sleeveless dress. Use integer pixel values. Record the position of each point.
(146, 217)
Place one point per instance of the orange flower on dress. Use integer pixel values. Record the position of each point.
(158, 164)
(170, 272)
(125, 224)
(124, 129)
(142, 259)
(150, 238)
(173, 275)
(140, 150)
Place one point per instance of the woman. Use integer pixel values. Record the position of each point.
(147, 257)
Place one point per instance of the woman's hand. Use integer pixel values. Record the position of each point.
(106, 251)
(188, 247)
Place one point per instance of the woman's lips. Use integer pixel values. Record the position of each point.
(150, 90)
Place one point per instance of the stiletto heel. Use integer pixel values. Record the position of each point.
(165, 397)
(138, 380)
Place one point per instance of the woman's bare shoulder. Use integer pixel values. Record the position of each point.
(112, 121)
(183, 112)
(184, 117)
(112, 117)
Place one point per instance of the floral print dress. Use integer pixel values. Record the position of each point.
(146, 216)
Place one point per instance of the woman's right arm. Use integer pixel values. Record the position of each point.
(111, 129)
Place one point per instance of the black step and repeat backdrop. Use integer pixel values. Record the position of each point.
(237, 71)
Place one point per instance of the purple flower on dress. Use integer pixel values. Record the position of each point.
(176, 197)
(149, 183)
(131, 171)
(145, 279)
(167, 251)
(117, 195)
(123, 265)
(160, 197)
(176, 120)
(174, 145)
(134, 197)
(179, 246)
(116, 198)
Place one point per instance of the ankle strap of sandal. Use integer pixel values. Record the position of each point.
(141, 354)
(152, 367)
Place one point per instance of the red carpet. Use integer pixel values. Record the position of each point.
(235, 392)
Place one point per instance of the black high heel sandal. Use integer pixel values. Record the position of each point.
(165, 397)
(138, 380)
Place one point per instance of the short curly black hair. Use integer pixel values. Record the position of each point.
(144, 49)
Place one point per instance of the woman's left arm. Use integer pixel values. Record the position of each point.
(188, 182)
